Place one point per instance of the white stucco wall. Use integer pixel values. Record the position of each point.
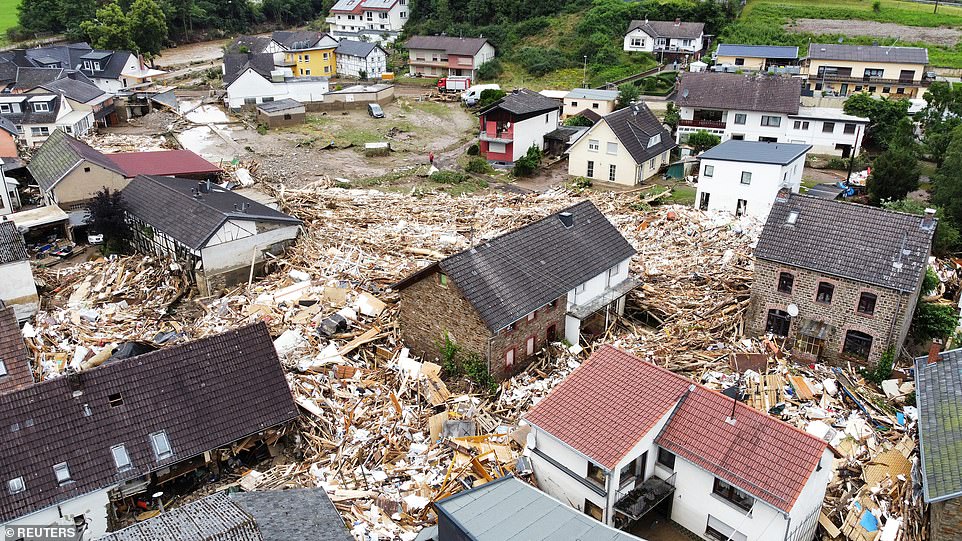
(93, 507)
(558, 483)
(725, 187)
(18, 289)
(593, 288)
(374, 64)
(531, 132)
(233, 245)
(647, 46)
(573, 106)
(252, 85)
(627, 172)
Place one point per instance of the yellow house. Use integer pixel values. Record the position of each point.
(309, 54)
(898, 72)
(755, 57)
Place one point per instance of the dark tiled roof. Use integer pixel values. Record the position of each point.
(605, 407)
(868, 53)
(199, 393)
(28, 116)
(448, 44)
(634, 126)
(507, 509)
(305, 514)
(524, 102)
(8, 126)
(236, 64)
(868, 244)
(516, 273)
(76, 90)
(111, 69)
(758, 51)
(277, 106)
(298, 39)
(213, 518)
(12, 246)
(254, 44)
(668, 29)
(13, 352)
(59, 154)
(938, 391)
(590, 115)
(8, 71)
(170, 163)
(714, 90)
(359, 49)
(28, 78)
(756, 152)
(167, 204)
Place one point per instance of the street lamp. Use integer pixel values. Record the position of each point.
(584, 76)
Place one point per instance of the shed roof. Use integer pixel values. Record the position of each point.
(868, 53)
(593, 94)
(939, 396)
(278, 106)
(756, 152)
(757, 92)
(781, 52)
(360, 49)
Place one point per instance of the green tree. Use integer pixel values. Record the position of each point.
(107, 217)
(895, 173)
(578, 120)
(884, 115)
(946, 238)
(528, 164)
(490, 70)
(672, 116)
(39, 15)
(148, 26)
(941, 115)
(627, 93)
(490, 96)
(110, 30)
(701, 141)
(947, 183)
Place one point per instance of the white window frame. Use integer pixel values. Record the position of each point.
(6, 108)
(16, 485)
(3, 369)
(158, 453)
(121, 448)
(509, 357)
(62, 473)
(590, 169)
(529, 346)
(709, 170)
(742, 116)
(593, 144)
(749, 173)
(612, 173)
(41, 107)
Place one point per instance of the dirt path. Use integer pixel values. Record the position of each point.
(205, 51)
(947, 37)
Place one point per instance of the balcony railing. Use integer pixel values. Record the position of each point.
(831, 78)
(635, 503)
(714, 124)
(504, 136)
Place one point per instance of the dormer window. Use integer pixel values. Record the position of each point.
(655, 139)
(88, 65)
(16, 485)
(792, 217)
(41, 107)
(96, 66)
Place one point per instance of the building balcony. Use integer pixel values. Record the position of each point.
(331, 20)
(505, 136)
(713, 124)
(875, 81)
(429, 63)
(286, 62)
(674, 49)
(641, 499)
(609, 295)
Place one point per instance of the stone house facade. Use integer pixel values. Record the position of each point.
(818, 285)
(945, 519)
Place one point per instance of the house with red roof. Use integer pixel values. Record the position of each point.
(626, 441)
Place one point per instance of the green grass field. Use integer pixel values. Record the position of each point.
(8, 17)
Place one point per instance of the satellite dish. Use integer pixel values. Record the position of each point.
(793, 310)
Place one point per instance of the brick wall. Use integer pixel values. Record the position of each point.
(946, 520)
(889, 323)
(517, 338)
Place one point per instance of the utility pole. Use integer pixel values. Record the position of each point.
(936, 10)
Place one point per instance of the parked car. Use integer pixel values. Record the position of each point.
(472, 95)
(95, 238)
(375, 110)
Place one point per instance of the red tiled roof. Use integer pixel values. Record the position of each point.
(167, 163)
(609, 403)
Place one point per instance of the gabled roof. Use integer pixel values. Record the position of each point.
(508, 509)
(28, 78)
(360, 49)
(13, 352)
(668, 29)
(357, 6)
(614, 399)
(448, 44)
(756, 152)
(235, 64)
(170, 163)
(8, 126)
(635, 126)
(198, 393)
(781, 52)
(867, 244)
(868, 53)
(523, 102)
(299, 39)
(715, 90)
(59, 154)
(277, 106)
(254, 44)
(938, 391)
(111, 67)
(514, 274)
(12, 246)
(28, 116)
(75, 90)
(592, 94)
(170, 205)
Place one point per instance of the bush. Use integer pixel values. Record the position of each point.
(476, 370)
(934, 320)
(490, 70)
(540, 62)
(490, 96)
(449, 177)
(701, 141)
(527, 165)
(877, 6)
(478, 165)
(883, 369)
(474, 150)
(448, 353)
(581, 183)
(262, 129)
(578, 120)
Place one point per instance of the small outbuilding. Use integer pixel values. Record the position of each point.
(286, 112)
(358, 96)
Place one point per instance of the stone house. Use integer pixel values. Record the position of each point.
(505, 298)
(838, 280)
(938, 394)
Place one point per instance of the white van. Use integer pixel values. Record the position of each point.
(473, 94)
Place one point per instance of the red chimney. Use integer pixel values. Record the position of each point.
(934, 350)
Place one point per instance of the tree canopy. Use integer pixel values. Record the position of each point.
(884, 115)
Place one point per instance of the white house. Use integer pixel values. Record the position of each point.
(360, 58)
(371, 20)
(251, 79)
(17, 289)
(625, 147)
(674, 38)
(651, 444)
(743, 177)
(226, 237)
(600, 102)
(763, 108)
(515, 123)
(36, 116)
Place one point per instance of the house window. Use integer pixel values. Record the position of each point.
(42, 131)
(509, 358)
(596, 474)
(532, 315)
(857, 344)
(886, 89)
(115, 400)
(824, 293)
(3, 369)
(740, 118)
(771, 121)
(849, 128)
(613, 274)
(611, 173)
(86, 169)
(5, 108)
(866, 303)
(580, 288)
(591, 169)
(442, 279)
(785, 282)
(594, 511)
(267, 99)
(651, 163)
(62, 473)
(811, 345)
(161, 445)
(709, 170)
(801, 124)
(666, 458)
(828, 127)
(741, 207)
(595, 105)
(327, 56)
(307, 58)
(250, 101)
(739, 61)
(593, 145)
(88, 65)
(703, 204)
(871, 89)
(529, 346)
(16, 485)
(900, 90)
(719, 531)
(613, 148)
(746, 177)
(627, 472)
(574, 104)
(637, 42)
(874, 72)
(121, 458)
(740, 498)
(778, 322)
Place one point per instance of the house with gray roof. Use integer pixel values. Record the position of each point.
(743, 177)
(625, 147)
(254, 78)
(39, 114)
(506, 297)
(841, 70)
(361, 59)
(672, 40)
(220, 235)
(17, 289)
(938, 396)
(111, 71)
(755, 57)
(377, 21)
(83, 96)
(515, 123)
(440, 56)
(600, 102)
(836, 280)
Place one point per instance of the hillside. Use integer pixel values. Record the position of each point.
(8, 17)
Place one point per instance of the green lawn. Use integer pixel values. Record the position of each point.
(8, 17)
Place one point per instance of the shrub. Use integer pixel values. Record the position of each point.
(474, 150)
(527, 165)
(577, 120)
(883, 369)
(701, 141)
(478, 165)
(449, 177)
(262, 129)
(877, 6)
(448, 353)
(539, 61)
(476, 370)
(490, 70)
(934, 320)
(581, 183)
(490, 96)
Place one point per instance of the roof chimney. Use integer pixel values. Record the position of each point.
(934, 349)
(928, 222)
(677, 22)
(567, 219)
